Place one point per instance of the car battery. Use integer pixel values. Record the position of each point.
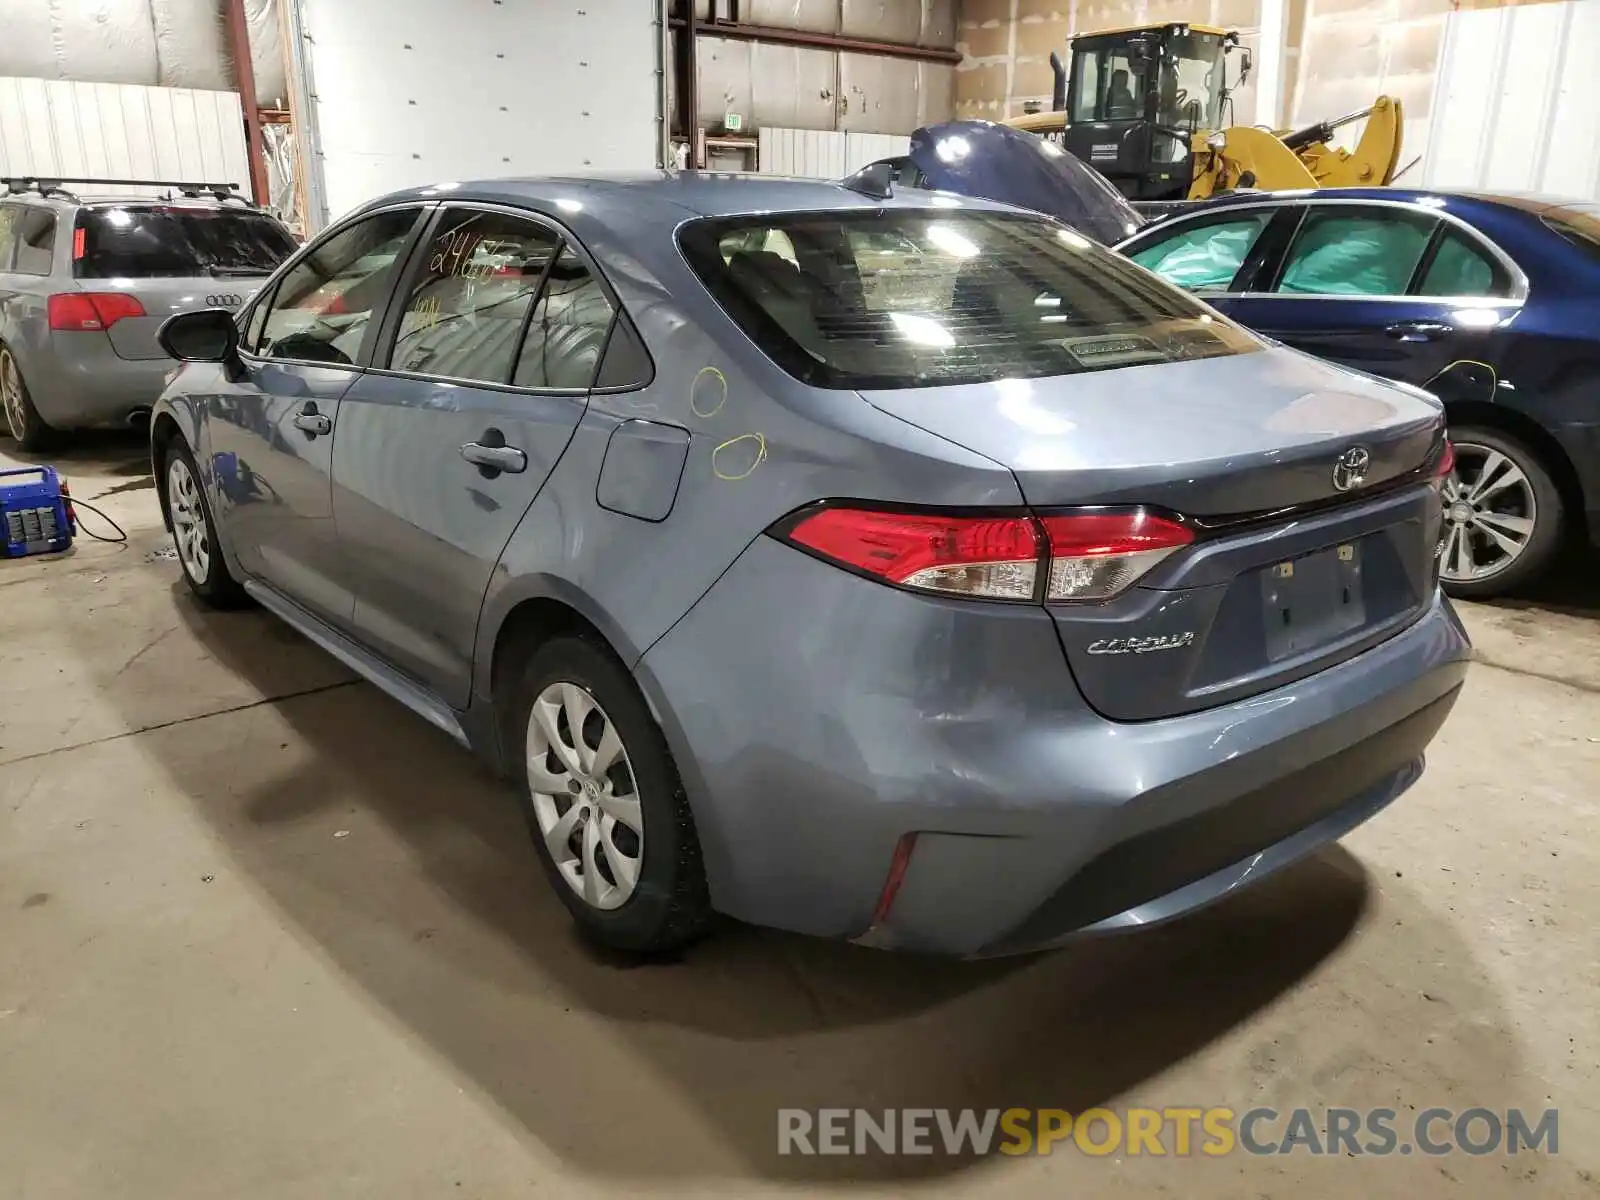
(36, 515)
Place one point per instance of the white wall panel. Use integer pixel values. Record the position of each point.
(1518, 101)
(120, 131)
(822, 153)
(411, 92)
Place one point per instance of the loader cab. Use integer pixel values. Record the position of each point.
(1136, 97)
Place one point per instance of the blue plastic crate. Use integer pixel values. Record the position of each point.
(35, 517)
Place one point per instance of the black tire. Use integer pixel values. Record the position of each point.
(20, 418)
(669, 906)
(216, 587)
(1549, 517)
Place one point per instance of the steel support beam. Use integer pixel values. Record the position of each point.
(244, 82)
(805, 39)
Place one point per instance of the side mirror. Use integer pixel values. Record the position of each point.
(1244, 66)
(208, 335)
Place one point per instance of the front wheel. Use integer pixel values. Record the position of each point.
(1502, 516)
(609, 817)
(194, 532)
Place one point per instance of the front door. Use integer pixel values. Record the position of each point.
(485, 372)
(272, 431)
(1387, 289)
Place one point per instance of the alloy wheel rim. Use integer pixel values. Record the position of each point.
(585, 798)
(189, 529)
(11, 394)
(1490, 513)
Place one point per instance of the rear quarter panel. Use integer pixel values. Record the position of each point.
(760, 446)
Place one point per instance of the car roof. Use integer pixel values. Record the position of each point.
(116, 200)
(679, 194)
(1533, 202)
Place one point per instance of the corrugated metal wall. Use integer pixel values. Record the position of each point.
(1518, 101)
(121, 131)
(823, 153)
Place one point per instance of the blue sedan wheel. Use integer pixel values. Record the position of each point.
(1501, 516)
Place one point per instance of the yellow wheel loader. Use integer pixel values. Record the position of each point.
(1151, 109)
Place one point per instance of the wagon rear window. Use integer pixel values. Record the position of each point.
(160, 241)
(901, 297)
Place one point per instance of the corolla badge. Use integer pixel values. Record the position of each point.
(1350, 471)
(1142, 645)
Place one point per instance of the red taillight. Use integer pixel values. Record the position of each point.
(1080, 556)
(1447, 460)
(78, 239)
(81, 312)
(1093, 556)
(995, 557)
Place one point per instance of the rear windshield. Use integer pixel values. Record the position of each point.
(897, 298)
(150, 241)
(1579, 224)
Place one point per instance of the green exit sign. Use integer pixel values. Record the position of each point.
(733, 122)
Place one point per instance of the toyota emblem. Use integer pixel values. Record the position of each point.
(1350, 471)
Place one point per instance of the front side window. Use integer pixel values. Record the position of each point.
(466, 312)
(1342, 251)
(36, 241)
(325, 303)
(903, 297)
(1204, 255)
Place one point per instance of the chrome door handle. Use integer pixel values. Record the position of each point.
(491, 459)
(1417, 331)
(311, 422)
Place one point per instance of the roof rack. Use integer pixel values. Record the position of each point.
(51, 185)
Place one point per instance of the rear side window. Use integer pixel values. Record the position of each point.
(466, 311)
(167, 241)
(1460, 269)
(10, 214)
(898, 298)
(36, 241)
(1355, 252)
(1204, 255)
(567, 332)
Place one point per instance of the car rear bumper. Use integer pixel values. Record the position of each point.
(818, 719)
(78, 380)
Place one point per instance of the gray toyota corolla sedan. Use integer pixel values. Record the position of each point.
(901, 568)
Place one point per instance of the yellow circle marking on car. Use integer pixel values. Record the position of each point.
(698, 397)
(727, 461)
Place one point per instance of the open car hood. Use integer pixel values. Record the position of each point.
(996, 162)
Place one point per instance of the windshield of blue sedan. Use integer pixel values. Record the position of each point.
(898, 297)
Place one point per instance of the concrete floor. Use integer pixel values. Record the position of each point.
(265, 934)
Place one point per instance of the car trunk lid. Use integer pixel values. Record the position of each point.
(1301, 559)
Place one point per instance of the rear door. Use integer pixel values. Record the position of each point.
(272, 430)
(486, 366)
(1388, 288)
(169, 258)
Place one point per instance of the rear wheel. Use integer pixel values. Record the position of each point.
(195, 533)
(609, 817)
(23, 421)
(1502, 515)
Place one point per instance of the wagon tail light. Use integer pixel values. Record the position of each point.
(82, 312)
(1064, 557)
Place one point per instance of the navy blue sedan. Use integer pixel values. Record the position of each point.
(1491, 302)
